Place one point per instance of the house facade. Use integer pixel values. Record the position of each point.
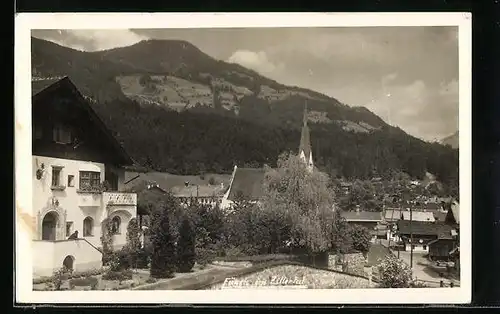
(78, 175)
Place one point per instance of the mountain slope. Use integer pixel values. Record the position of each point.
(452, 140)
(178, 110)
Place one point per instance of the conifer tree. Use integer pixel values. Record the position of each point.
(163, 255)
(186, 246)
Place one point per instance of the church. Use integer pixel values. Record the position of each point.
(248, 182)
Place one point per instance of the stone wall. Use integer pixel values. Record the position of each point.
(308, 277)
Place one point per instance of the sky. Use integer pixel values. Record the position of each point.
(406, 75)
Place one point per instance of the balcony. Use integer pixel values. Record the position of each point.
(119, 199)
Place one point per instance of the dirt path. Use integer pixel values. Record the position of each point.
(185, 279)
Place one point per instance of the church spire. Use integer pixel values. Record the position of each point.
(305, 151)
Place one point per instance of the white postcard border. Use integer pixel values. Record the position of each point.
(23, 185)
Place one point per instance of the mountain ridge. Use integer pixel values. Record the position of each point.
(230, 84)
(451, 140)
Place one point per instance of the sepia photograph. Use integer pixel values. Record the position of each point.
(318, 152)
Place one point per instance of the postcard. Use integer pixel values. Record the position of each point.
(278, 158)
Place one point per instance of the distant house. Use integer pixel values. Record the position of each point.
(422, 233)
(369, 220)
(245, 184)
(201, 194)
(141, 188)
(439, 249)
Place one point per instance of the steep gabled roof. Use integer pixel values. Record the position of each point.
(247, 182)
(38, 85)
(42, 88)
(423, 228)
(305, 138)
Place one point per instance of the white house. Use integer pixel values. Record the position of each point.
(78, 173)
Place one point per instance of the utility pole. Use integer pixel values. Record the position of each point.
(411, 236)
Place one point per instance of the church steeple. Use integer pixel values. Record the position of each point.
(305, 151)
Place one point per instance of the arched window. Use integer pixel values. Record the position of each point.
(88, 227)
(115, 225)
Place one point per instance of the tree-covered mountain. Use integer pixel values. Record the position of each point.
(178, 110)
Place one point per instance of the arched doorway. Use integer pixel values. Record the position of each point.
(68, 262)
(49, 226)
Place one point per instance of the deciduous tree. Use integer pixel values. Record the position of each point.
(303, 198)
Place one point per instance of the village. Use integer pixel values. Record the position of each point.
(106, 223)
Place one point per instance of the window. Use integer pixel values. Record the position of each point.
(56, 176)
(61, 134)
(425, 247)
(115, 225)
(71, 180)
(89, 179)
(69, 228)
(88, 227)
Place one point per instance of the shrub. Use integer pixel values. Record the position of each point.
(394, 273)
(186, 247)
(117, 275)
(59, 276)
(107, 242)
(212, 181)
(163, 255)
(133, 245)
(88, 281)
(143, 258)
(205, 256)
(360, 238)
(151, 280)
(118, 261)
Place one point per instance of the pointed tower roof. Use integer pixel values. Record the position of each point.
(305, 141)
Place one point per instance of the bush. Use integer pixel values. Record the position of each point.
(394, 273)
(163, 255)
(117, 275)
(133, 245)
(360, 238)
(186, 247)
(59, 276)
(118, 261)
(205, 256)
(212, 181)
(88, 281)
